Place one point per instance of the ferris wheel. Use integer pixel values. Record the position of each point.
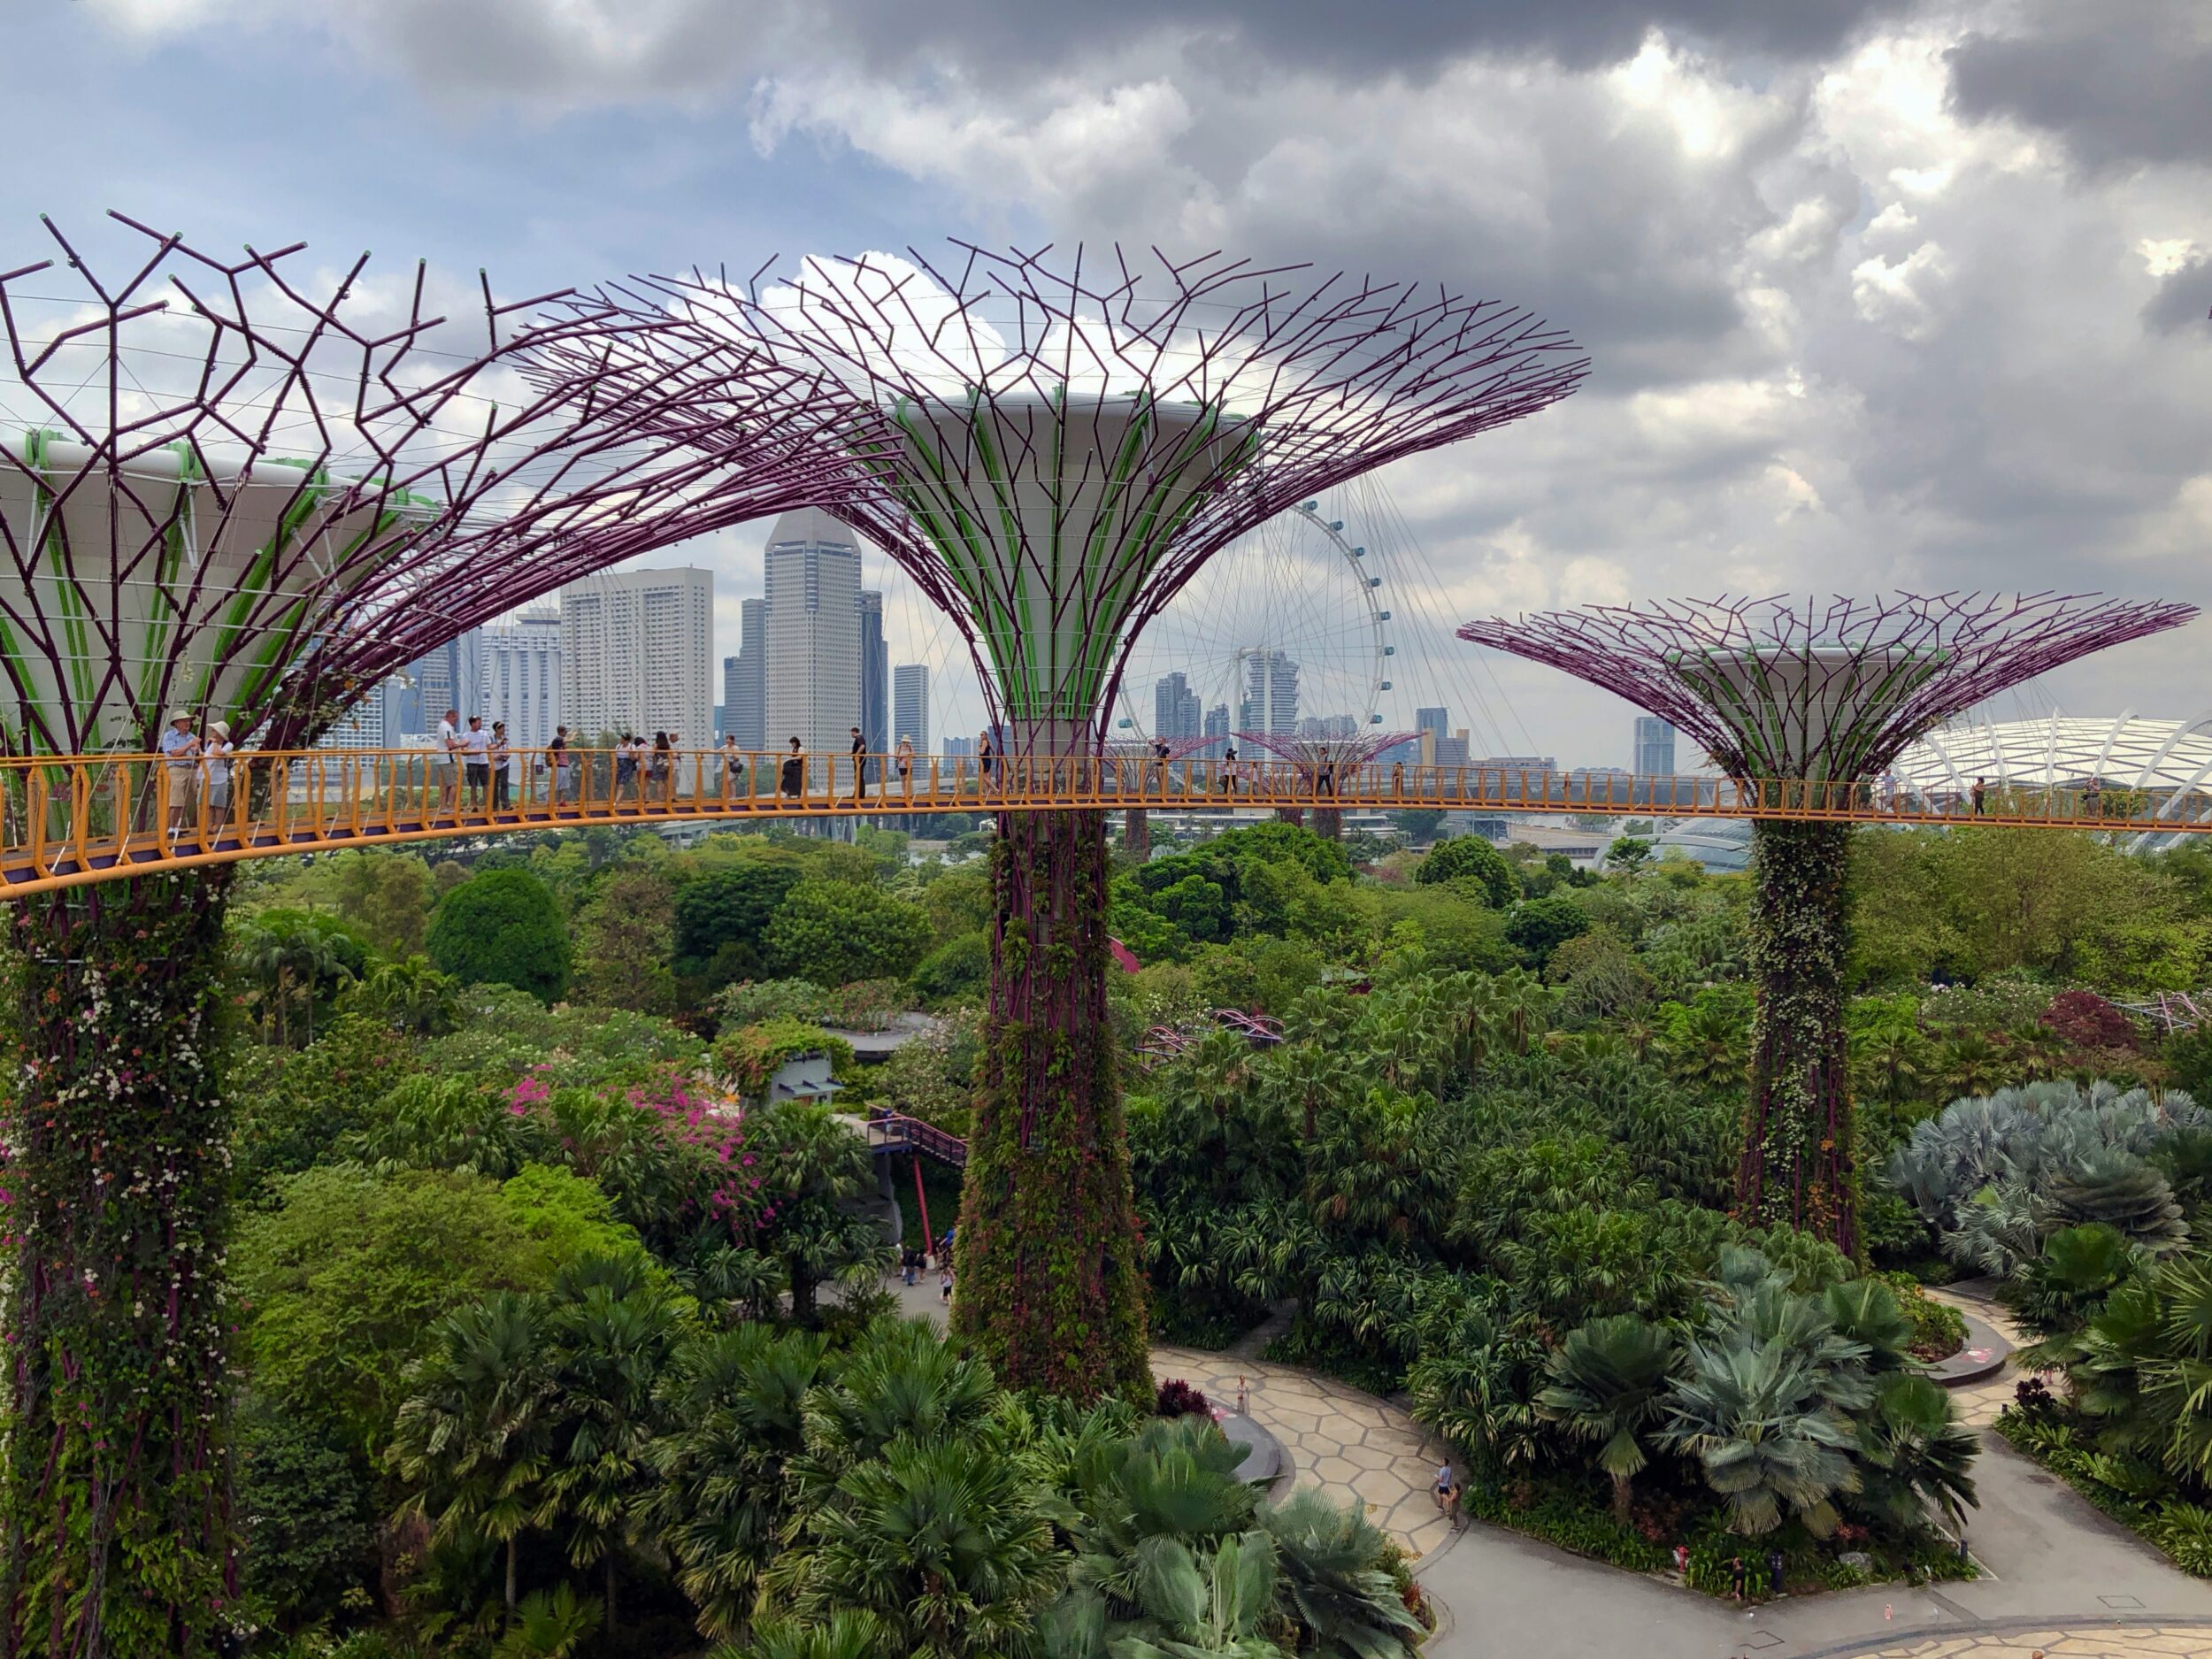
(1289, 624)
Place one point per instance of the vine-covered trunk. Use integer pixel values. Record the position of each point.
(114, 1497)
(1136, 832)
(1048, 1274)
(1328, 821)
(1798, 1163)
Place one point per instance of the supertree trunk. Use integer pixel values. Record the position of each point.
(1049, 1275)
(1328, 821)
(1798, 1162)
(1136, 832)
(116, 1503)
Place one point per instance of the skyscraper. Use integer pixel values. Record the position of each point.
(636, 649)
(1176, 711)
(875, 676)
(1431, 726)
(372, 723)
(812, 657)
(1654, 747)
(521, 682)
(1216, 722)
(745, 677)
(448, 676)
(1271, 692)
(909, 705)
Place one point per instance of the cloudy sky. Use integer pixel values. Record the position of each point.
(1878, 293)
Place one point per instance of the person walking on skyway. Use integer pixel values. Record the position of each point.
(794, 779)
(475, 746)
(1979, 793)
(218, 748)
(906, 766)
(859, 751)
(448, 762)
(182, 750)
(732, 768)
(499, 754)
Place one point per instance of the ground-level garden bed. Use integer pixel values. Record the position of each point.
(1572, 1512)
(2141, 1497)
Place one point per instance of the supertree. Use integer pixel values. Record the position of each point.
(1145, 764)
(233, 492)
(1324, 764)
(1808, 702)
(1069, 441)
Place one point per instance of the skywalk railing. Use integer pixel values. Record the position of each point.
(67, 819)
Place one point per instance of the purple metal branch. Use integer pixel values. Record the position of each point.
(1281, 386)
(243, 494)
(1828, 691)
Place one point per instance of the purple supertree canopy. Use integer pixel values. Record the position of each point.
(232, 490)
(1824, 690)
(1337, 755)
(1055, 446)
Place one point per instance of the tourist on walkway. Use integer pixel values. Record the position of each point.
(794, 779)
(983, 758)
(944, 1286)
(1979, 794)
(2093, 799)
(906, 766)
(661, 769)
(448, 762)
(732, 768)
(182, 750)
(1229, 769)
(501, 755)
(859, 752)
(563, 764)
(625, 767)
(218, 748)
(476, 745)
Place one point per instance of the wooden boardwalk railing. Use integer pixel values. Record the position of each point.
(69, 819)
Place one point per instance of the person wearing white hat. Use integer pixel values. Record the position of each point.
(180, 749)
(218, 748)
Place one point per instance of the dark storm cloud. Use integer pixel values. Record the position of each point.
(2183, 300)
(2122, 84)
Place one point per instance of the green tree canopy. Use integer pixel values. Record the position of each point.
(502, 927)
(1470, 858)
(1539, 926)
(836, 932)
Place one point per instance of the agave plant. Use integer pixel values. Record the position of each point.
(1607, 1384)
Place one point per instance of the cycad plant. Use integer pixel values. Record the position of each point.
(1607, 1384)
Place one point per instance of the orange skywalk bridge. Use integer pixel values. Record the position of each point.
(66, 820)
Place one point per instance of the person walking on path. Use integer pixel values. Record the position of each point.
(983, 758)
(180, 749)
(906, 766)
(625, 767)
(859, 752)
(218, 748)
(661, 771)
(448, 762)
(2093, 799)
(500, 756)
(1979, 795)
(476, 746)
(944, 1288)
(794, 779)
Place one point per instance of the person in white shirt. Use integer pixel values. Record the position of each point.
(218, 748)
(475, 747)
(501, 756)
(180, 749)
(448, 761)
(733, 767)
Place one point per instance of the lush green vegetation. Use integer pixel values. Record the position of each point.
(544, 1346)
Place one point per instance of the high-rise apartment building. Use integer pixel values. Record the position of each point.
(1176, 710)
(909, 705)
(448, 676)
(745, 679)
(521, 677)
(1430, 727)
(875, 677)
(1271, 692)
(371, 723)
(635, 648)
(811, 656)
(1217, 723)
(1654, 747)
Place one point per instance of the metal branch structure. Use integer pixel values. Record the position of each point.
(1326, 763)
(1794, 700)
(237, 492)
(1055, 443)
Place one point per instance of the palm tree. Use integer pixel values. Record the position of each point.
(1914, 1454)
(1190, 1605)
(1607, 1384)
(473, 1436)
(731, 1402)
(1756, 1417)
(2057, 1293)
(943, 1542)
(549, 1626)
(411, 996)
(611, 1329)
(743, 1283)
(847, 1633)
(1332, 1579)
